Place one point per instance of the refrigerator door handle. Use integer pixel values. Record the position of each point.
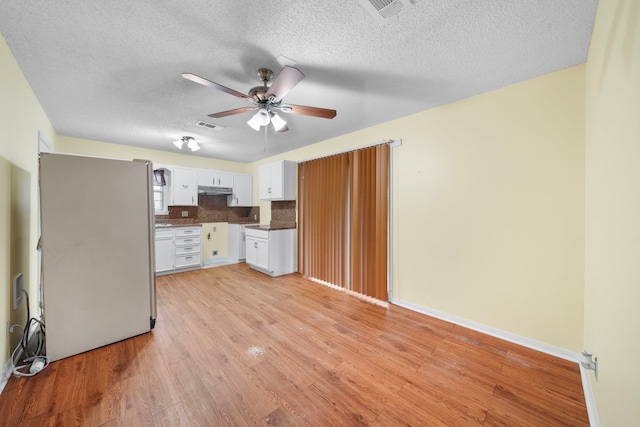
(152, 246)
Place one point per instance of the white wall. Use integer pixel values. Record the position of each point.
(612, 285)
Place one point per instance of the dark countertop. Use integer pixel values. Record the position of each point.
(269, 227)
(168, 225)
(195, 224)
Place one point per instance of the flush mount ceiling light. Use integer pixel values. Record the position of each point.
(191, 143)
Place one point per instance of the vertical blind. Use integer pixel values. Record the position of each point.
(343, 220)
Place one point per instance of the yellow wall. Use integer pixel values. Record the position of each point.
(489, 207)
(86, 147)
(215, 236)
(612, 277)
(21, 117)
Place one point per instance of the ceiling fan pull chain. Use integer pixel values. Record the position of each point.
(265, 138)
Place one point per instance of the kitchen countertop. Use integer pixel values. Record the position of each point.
(197, 224)
(167, 225)
(269, 227)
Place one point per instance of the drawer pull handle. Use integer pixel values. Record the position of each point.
(188, 240)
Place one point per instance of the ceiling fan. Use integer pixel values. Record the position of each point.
(267, 100)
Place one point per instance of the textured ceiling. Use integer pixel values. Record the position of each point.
(111, 70)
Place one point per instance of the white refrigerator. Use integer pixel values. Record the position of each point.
(97, 243)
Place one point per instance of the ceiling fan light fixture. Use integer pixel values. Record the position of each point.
(261, 118)
(277, 122)
(254, 122)
(178, 143)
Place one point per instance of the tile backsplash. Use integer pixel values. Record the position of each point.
(283, 214)
(210, 209)
(215, 209)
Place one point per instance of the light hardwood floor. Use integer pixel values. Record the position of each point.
(235, 347)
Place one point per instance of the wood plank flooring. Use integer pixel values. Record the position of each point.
(233, 347)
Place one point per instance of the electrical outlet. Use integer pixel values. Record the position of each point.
(185, 214)
(214, 229)
(215, 252)
(18, 286)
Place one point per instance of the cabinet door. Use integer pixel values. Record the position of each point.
(224, 179)
(243, 243)
(270, 181)
(263, 254)
(242, 191)
(277, 181)
(206, 178)
(264, 182)
(164, 255)
(251, 250)
(234, 245)
(185, 187)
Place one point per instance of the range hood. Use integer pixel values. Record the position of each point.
(214, 191)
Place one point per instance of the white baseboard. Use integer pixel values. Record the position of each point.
(588, 397)
(517, 339)
(494, 332)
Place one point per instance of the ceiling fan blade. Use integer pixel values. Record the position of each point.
(286, 80)
(231, 112)
(205, 82)
(308, 111)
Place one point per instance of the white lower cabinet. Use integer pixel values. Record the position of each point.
(237, 242)
(164, 251)
(178, 249)
(272, 252)
(188, 247)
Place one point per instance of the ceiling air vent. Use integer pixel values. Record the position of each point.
(385, 9)
(207, 125)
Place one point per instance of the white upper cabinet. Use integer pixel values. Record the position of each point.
(278, 181)
(182, 186)
(185, 187)
(208, 178)
(242, 191)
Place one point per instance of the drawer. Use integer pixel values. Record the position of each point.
(184, 250)
(189, 241)
(260, 234)
(187, 260)
(164, 234)
(191, 231)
